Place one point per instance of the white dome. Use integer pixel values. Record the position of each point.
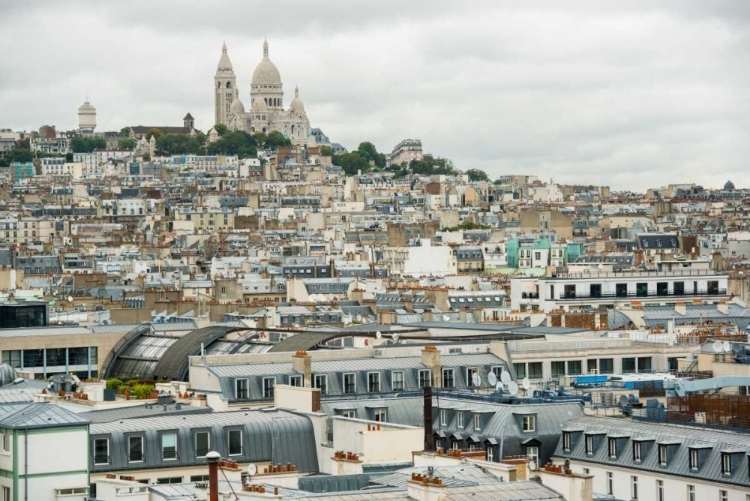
(297, 104)
(266, 72)
(87, 108)
(237, 107)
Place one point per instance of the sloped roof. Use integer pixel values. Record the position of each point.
(38, 415)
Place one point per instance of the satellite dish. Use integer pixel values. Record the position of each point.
(476, 379)
(624, 402)
(378, 335)
(499, 387)
(492, 379)
(395, 338)
(526, 384)
(718, 347)
(70, 299)
(359, 318)
(505, 377)
(513, 388)
(727, 347)
(252, 469)
(446, 318)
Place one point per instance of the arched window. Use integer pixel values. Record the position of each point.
(229, 85)
(218, 85)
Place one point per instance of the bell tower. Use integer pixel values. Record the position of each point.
(225, 88)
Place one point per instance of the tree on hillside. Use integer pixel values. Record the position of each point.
(154, 131)
(352, 163)
(326, 151)
(368, 151)
(221, 129)
(126, 143)
(238, 143)
(477, 175)
(180, 144)
(125, 132)
(276, 139)
(87, 144)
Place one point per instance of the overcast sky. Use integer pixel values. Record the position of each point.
(631, 94)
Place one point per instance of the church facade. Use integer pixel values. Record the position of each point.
(267, 112)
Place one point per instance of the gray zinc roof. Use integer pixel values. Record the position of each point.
(38, 415)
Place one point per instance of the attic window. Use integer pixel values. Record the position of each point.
(726, 464)
(613, 448)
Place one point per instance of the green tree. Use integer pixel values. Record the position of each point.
(141, 391)
(477, 175)
(352, 163)
(326, 151)
(238, 143)
(429, 165)
(125, 132)
(221, 129)
(126, 143)
(276, 140)
(87, 144)
(369, 152)
(154, 131)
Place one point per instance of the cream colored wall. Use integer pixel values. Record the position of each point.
(392, 443)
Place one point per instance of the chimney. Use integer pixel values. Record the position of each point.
(213, 475)
(680, 308)
(431, 359)
(302, 363)
(429, 439)
(723, 307)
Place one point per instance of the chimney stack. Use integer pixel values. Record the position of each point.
(429, 439)
(213, 475)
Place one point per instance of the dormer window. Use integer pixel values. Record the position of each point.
(566, 441)
(589, 444)
(637, 452)
(663, 455)
(529, 423)
(726, 464)
(693, 459)
(612, 448)
(477, 422)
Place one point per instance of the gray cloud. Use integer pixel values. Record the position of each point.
(631, 94)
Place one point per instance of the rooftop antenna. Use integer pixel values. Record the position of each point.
(492, 379)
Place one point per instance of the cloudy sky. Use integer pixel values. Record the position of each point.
(631, 94)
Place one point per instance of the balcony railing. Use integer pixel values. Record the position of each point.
(644, 294)
(101, 459)
(169, 453)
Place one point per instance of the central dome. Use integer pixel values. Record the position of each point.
(266, 72)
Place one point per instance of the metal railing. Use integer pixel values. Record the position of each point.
(643, 294)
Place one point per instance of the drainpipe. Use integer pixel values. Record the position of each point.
(26, 464)
(213, 475)
(429, 439)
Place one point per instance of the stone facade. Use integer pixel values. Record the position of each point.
(267, 112)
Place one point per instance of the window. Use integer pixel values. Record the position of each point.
(612, 448)
(6, 493)
(529, 423)
(641, 289)
(6, 443)
(586, 471)
(460, 420)
(660, 490)
(101, 451)
(566, 441)
(477, 422)
(268, 384)
(349, 413)
(606, 366)
(693, 459)
(397, 380)
(535, 370)
(448, 378)
(350, 383)
(202, 444)
(373, 382)
(726, 464)
(633, 488)
(470, 376)
(234, 439)
(135, 449)
(381, 415)
(723, 495)
(589, 444)
(532, 452)
(569, 292)
(240, 389)
(679, 288)
(637, 451)
(595, 290)
(199, 478)
(663, 455)
(628, 365)
(610, 483)
(520, 369)
(558, 369)
(169, 480)
(321, 382)
(425, 378)
(295, 381)
(169, 446)
(621, 290)
(443, 417)
(490, 453)
(691, 493)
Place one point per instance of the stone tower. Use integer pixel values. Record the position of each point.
(86, 117)
(225, 88)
